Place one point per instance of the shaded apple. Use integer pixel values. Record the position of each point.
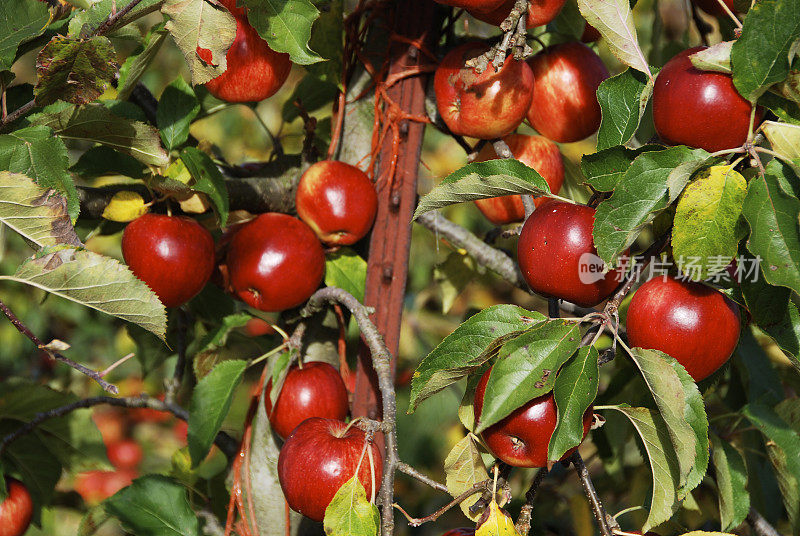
(173, 255)
(487, 105)
(338, 201)
(700, 108)
(534, 151)
(124, 454)
(540, 12)
(564, 106)
(315, 390)
(522, 438)
(557, 257)
(696, 324)
(318, 457)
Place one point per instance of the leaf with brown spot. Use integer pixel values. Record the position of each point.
(74, 70)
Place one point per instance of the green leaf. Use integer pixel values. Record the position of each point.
(211, 400)
(714, 58)
(38, 214)
(74, 70)
(481, 180)
(706, 221)
(199, 23)
(327, 38)
(20, 21)
(208, 179)
(760, 57)
(783, 447)
(623, 99)
(346, 270)
(664, 382)
(177, 108)
(36, 153)
(526, 368)
(452, 275)
(605, 168)
(663, 463)
(785, 140)
(467, 348)
(785, 109)
(95, 281)
(464, 468)
(312, 93)
(639, 196)
(568, 22)
(135, 65)
(85, 23)
(103, 160)
(154, 505)
(731, 477)
(774, 235)
(574, 391)
(774, 312)
(350, 513)
(97, 123)
(286, 26)
(614, 20)
(151, 352)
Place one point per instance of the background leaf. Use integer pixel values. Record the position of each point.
(464, 468)
(154, 505)
(207, 179)
(731, 477)
(614, 20)
(20, 21)
(177, 108)
(74, 70)
(345, 269)
(623, 99)
(286, 26)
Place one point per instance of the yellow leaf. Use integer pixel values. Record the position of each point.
(497, 523)
(194, 204)
(125, 206)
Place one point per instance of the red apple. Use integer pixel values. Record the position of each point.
(338, 201)
(695, 324)
(564, 107)
(254, 71)
(318, 457)
(124, 454)
(713, 8)
(275, 262)
(590, 34)
(540, 12)
(315, 390)
(111, 423)
(16, 510)
(173, 255)
(487, 105)
(557, 257)
(180, 430)
(534, 151)
(97, 486)
(699, 108)
(522, 438)
(460, 532)
(256, 327)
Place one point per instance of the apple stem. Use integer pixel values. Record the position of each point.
(760, 525)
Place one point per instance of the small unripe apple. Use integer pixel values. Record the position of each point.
(315, 390)
(700, 108)
(124, 454)
(338, 201)
(318, 457)
(173, 255)
(254, 71)
(522, 438)
(275, 262)
(557, 257)
(696, 324)
(564, 106)
(16, 510)
(540, 12)
(534, 151)
(487, 105)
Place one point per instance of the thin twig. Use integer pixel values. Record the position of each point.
(504, 470)
(591, 493)
(523, 524)
(16, 114)
(113, 18)
(485, 487)
(226, 443)
(760, 525)
(22, 328)
(410, 471)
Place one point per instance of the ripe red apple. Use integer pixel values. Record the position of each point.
(487, 105)
(540, 12)
(460, 532)
(16, 510)
(318, 457)
(254, 70)
(97, 486)
(338, 201)
(256, 327)
(590, 34)
(111, 423)
(124, 454)
(522, 438)
(713, 8)
(534, 151)
(699, 108)
(697, 325)
(564, 107)
(315, 390)
(173, 255)
(275, 262)
(557, 257)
